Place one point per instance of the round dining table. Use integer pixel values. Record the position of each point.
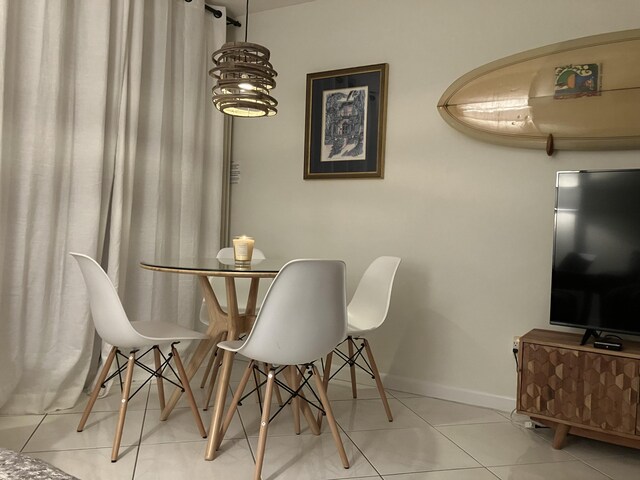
(223, 325)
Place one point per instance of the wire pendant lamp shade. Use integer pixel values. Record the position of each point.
(243, 79)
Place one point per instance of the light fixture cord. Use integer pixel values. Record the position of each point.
(246, 22)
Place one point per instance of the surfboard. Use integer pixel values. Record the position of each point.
(582, 94)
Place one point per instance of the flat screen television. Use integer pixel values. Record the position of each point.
(595, 281)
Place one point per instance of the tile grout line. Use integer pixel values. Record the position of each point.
(597, 470)
(460, 447)
(573, 458)
(358, 448)
(33, 432)
(144, 418)
(244, 429)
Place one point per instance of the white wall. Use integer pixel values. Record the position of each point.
(472, 221)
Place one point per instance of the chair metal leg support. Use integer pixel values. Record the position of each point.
(348, 361)
(293, 393)
(264, 424)
(376, 373)
(123, 406)
(96, 390)
(330, 418)
(258, 388)
(278, 395)
(304, 406)
(187, 388)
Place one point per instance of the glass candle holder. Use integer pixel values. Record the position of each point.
(243, 248)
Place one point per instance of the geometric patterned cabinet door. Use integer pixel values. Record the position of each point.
(549, 383)
(590, 389)
(580, 390)
(610, 392)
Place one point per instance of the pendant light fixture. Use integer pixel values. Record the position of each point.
(243, 78)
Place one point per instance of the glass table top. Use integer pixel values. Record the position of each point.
(215, 265)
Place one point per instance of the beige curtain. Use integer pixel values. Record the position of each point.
(109, 146)
(170, 188)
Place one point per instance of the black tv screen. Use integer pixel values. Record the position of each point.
(596, 256)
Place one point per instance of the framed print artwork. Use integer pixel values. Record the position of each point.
(346, 123)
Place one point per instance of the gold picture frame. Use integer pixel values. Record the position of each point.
(345, 127)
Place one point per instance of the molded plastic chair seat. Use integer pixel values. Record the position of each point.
(113, 326)
(355, 330)
(302, 318)
(157, 333)
(367, 311)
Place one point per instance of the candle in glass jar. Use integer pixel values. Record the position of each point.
(243, 248)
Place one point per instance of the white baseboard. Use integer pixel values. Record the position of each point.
(435, 390)
(454, 394)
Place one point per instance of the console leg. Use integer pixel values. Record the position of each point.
(560, 436)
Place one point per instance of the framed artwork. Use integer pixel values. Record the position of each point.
(346, 123)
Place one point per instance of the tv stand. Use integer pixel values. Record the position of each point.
(577, 389)
(588, 333)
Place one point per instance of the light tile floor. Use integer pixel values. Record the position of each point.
(429, 439)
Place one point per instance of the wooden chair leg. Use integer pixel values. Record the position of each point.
(96, 390)
(236, 399)
(123, 406)
(184, 379)
(292, 379)
(352, 367)
(264, 424)
(330, 418)
(159, 382)
(218, 410)
(376, 373)
(326, 375)
(276, 389)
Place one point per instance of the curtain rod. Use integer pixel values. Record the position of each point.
(217, 13)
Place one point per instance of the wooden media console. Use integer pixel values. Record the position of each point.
(579, 389)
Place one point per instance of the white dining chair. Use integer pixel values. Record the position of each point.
(242, 294)
(302, 318)
(367, 311)
(114, 327)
